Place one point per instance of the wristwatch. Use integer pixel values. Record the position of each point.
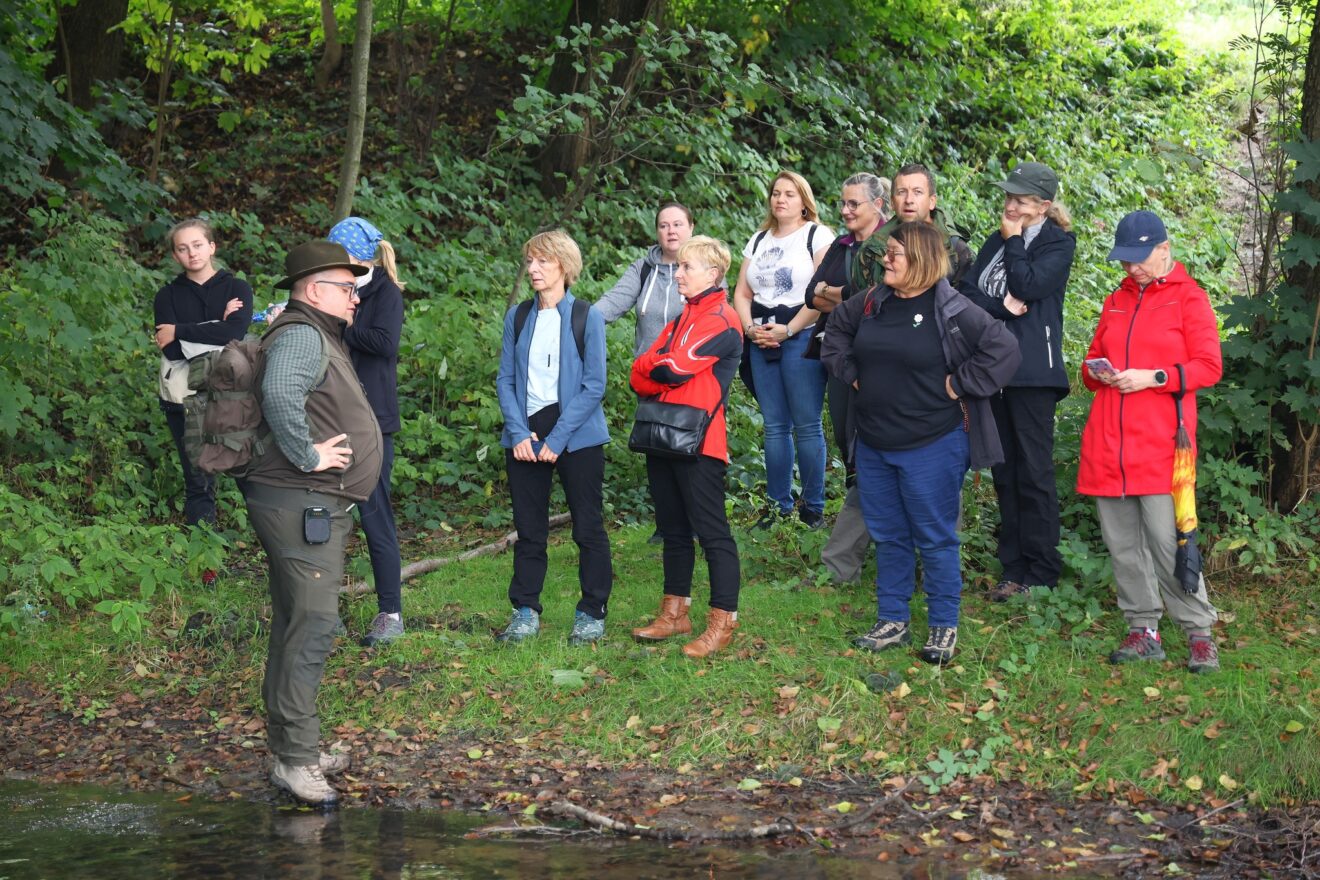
(788, 331)
(1161, 377)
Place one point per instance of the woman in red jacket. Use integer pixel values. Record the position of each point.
(693, 362)
(1157, 336)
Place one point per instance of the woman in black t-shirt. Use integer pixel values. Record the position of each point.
(923, 359)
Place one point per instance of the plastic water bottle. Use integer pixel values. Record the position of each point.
(270, 313)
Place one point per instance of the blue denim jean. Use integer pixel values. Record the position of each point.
(791, 392)
(910, 502)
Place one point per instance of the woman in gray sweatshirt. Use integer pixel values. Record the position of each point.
(648, 286)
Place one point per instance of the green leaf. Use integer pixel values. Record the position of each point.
(829, 725)
(749, 784)
(569, 678)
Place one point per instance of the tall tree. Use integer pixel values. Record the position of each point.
(87, 49)
(571, 152)
(1294, 459)
(357, 112)
(333, 52)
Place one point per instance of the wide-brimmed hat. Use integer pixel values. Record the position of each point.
(1031, 179)
(316, 256)
(1136, 236)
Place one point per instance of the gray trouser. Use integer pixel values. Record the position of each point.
(1141, 536)
(845, 552)
(304, 599)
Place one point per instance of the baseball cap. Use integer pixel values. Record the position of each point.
(1137, 235)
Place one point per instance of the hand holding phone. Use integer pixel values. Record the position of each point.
(1100, 367)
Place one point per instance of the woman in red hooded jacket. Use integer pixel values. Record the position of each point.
(1157, 336)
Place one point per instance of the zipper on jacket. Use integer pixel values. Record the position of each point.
(1049, 346)
(1127, 359)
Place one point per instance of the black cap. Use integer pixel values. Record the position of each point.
(316, 256)
(1137, 235)
(1031, 179)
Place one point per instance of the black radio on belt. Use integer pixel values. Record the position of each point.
(316, 525)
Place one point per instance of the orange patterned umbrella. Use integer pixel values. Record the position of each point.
(1187, 559)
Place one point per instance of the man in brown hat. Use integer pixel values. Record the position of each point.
(326, 457)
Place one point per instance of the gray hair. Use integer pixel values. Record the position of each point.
(876, 187)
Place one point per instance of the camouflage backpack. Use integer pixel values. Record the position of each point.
(223, 428)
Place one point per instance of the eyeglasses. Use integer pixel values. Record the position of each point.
(347, 286)
(850, 205)
(894, 255)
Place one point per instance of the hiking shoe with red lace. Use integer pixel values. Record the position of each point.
(1139, 645)
(209, 576)
(1205, 655)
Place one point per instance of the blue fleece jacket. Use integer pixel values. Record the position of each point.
(581, 382)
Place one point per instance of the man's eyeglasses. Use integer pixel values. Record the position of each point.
(347, 286)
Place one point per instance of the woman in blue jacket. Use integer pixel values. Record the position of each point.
(373, 343)
(550, 388)
(1019, 277)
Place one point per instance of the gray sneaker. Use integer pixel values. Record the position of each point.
(940, 644)
(334, 762)
(525, 624)
(885, 634)
(1204, 655)
(307, 784)
(586, 629)
(385, 628)
(1138, 646)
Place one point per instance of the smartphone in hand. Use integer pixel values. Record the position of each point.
(1100, 367)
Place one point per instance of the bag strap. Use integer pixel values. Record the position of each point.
(579, 320)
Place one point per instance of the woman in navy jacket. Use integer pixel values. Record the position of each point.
(550, 393)
(1019, 277)
(373, 344)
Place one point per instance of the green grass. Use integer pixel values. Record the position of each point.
(1030, 697)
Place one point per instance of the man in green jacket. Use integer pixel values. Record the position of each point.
(326, 457)
(914, 201)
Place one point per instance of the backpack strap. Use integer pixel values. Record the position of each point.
(579, 320)
(811, 236)
(647, 268)
(756, 242)
(276, 331)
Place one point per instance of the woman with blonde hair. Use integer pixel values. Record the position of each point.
(551, 392)
(770, 299)
(373, 344)
(1019, 277)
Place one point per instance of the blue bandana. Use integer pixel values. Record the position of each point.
(357, 236)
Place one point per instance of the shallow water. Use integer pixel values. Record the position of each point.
(65, 832)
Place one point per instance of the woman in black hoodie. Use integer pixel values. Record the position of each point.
(1019, 277)
(373, 343)
(199, 311)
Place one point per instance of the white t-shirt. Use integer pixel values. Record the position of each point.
(543, 362)
(781, 267)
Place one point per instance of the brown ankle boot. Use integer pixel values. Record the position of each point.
(672, 621)
(720, 625)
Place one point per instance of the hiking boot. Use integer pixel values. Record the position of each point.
(671, 621)
(656, 538)
(812, 519)
(940, 642)
(385, 628)
(1139, 645)
(1205, 655)
(1006, 589)
(524, 624)
(586, 629)
(307, 784)
(720, 625)
(885, 634)
(332, 763)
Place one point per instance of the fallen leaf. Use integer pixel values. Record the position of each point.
(749, 784)
(1294, 726)
(902, 690)
(1193, 782)
(1228, 782)
(843, 807)
(633, 721)
(829, 725)
(1151, 692)
(474, 754)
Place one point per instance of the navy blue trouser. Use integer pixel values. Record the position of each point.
(198, 486)
(377, 518)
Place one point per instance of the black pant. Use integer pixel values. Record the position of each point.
(689, 499)
(1028, 499)
(377, 518)
(198, 486)
(582, 475)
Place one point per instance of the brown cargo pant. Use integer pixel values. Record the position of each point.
(304, 598)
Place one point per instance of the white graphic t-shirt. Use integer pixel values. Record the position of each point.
(781, 267)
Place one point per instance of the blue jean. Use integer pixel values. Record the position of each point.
(910, 502)
(791, 392)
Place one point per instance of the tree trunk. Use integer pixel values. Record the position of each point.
(87, 49)
(334, 52)
(162, 95)
(1290, 479)
(569, 154)
(357, 112)
(400, 67)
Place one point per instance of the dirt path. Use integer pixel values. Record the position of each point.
(212, 746)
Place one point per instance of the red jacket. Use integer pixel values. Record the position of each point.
(1127, 445)
(693, 361)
